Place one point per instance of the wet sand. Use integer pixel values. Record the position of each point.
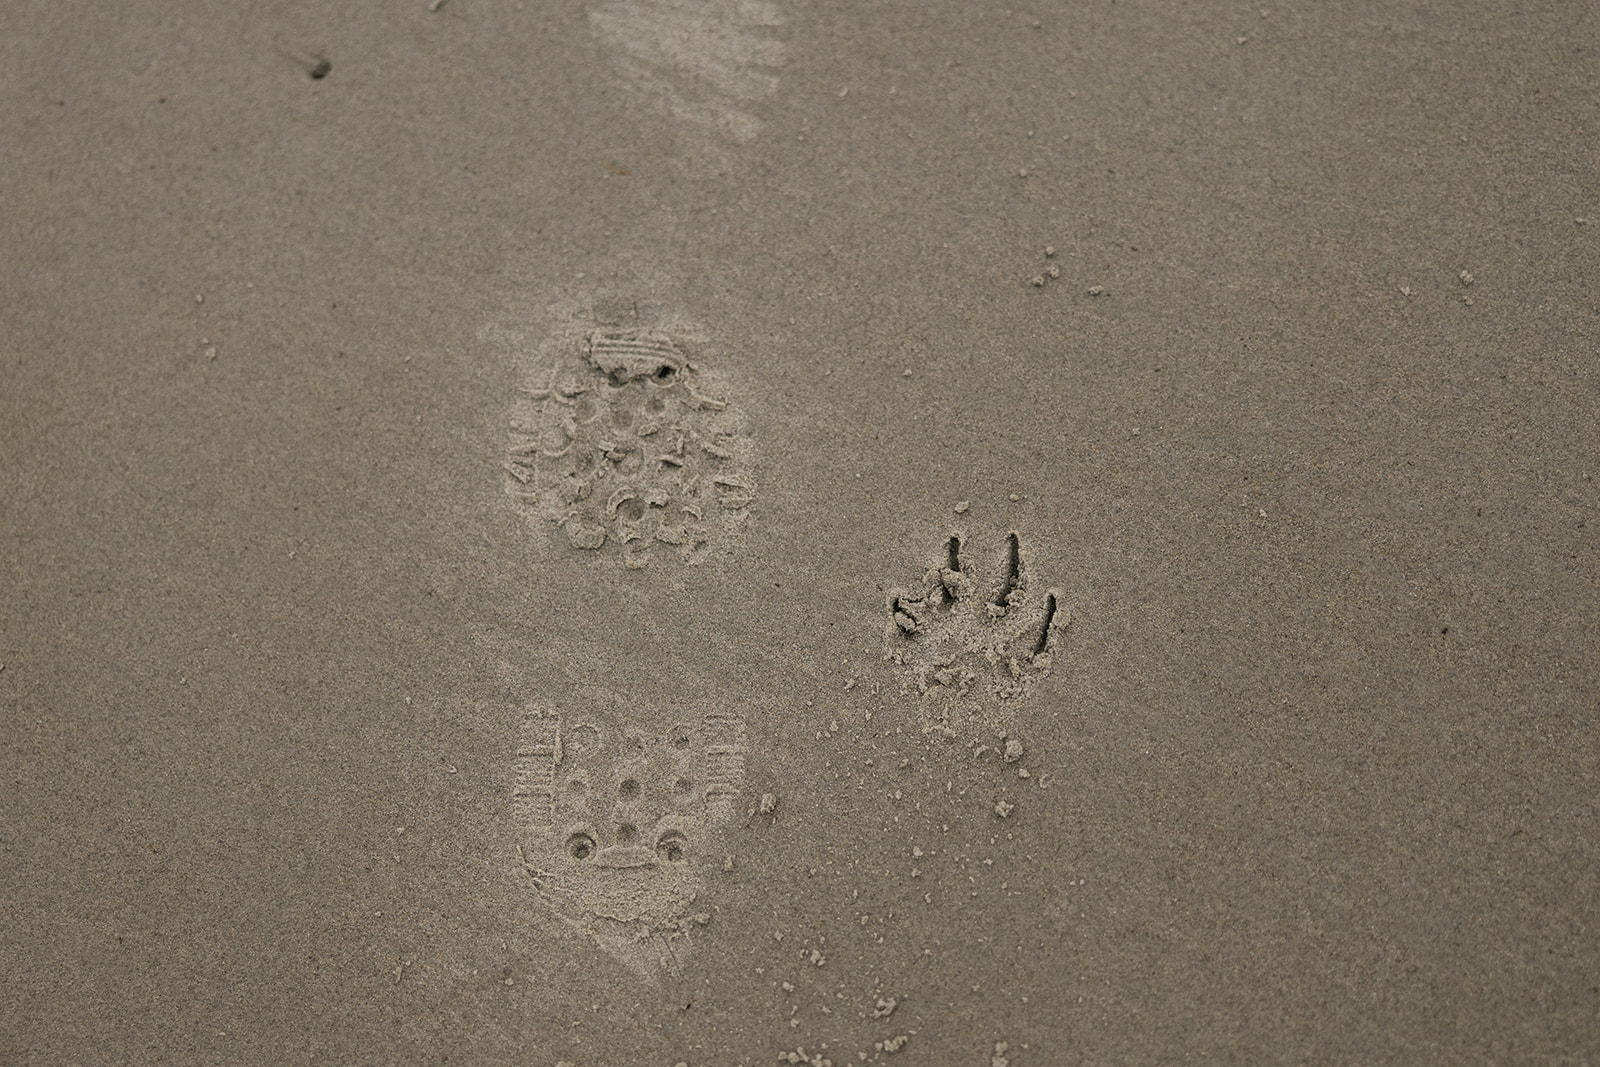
(1296, 424)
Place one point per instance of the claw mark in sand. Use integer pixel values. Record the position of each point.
(964, 639)
(628, 448)
(616, 826)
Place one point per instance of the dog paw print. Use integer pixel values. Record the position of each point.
(974, 635)
(629, 451)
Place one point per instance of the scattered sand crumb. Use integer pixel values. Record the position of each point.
(1004, 809)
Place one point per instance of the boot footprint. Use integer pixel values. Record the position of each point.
(617, 825)
(968, 637)
(628, 449)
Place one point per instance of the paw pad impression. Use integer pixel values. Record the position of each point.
(971, 636)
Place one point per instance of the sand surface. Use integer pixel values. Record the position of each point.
(320, 703)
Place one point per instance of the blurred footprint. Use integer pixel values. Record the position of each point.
(703, 61)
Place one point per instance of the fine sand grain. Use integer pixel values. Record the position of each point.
(715, 532)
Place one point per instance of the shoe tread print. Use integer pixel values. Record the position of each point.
(629, 449)
(616, 820)
(965, 637)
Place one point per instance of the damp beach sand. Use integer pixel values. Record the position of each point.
(719, 532)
